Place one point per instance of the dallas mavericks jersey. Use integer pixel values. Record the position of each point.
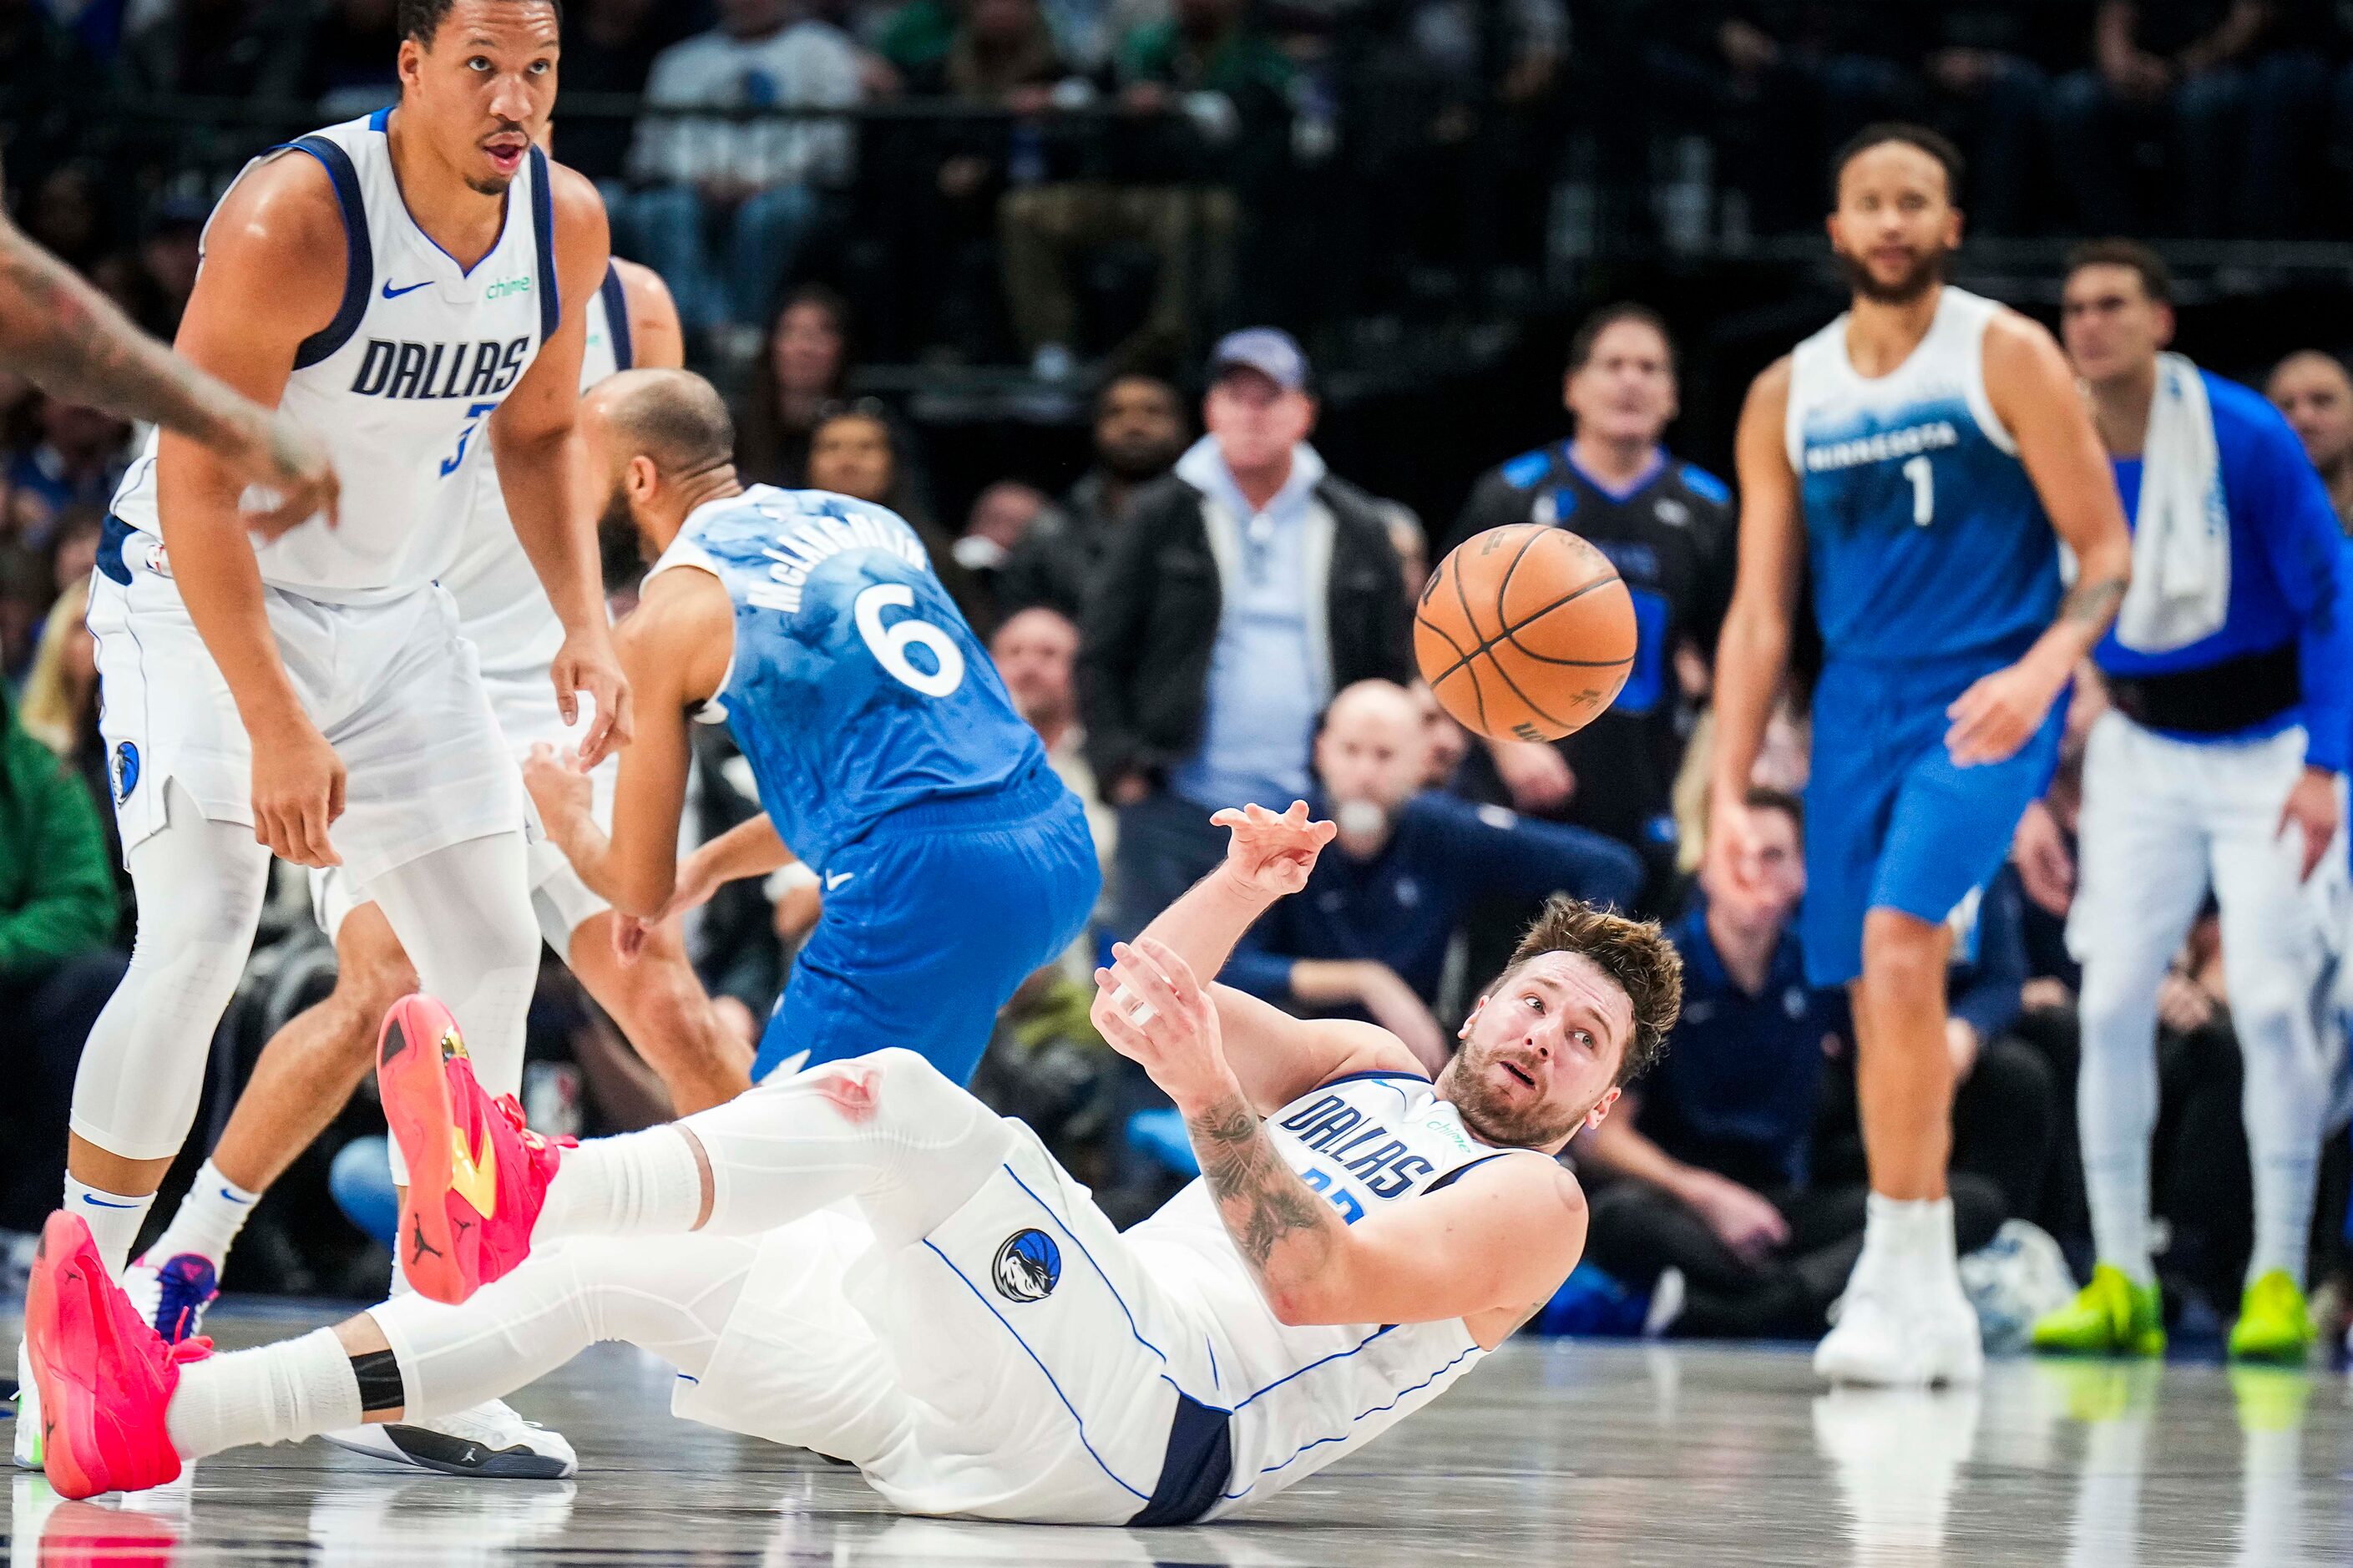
(400, 384)
(1926, 537)
(856, 687)
(502, 607)
(1303, 1396)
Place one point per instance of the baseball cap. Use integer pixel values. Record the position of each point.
(1269, 350)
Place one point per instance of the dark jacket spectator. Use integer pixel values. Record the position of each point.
(1151, 624)
(1242, 592)
(1139, 432)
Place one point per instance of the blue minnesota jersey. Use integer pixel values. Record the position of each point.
(1925, 536)
(855, 689)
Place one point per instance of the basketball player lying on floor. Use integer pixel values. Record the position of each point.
(969, 1330)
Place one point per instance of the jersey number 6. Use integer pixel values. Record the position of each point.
(888, 643)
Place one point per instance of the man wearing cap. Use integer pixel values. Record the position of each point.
(1240, 592)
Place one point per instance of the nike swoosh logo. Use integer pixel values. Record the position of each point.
(233, 1198)
(474, 1176)
(835, 879)
(392, 293)
(102, 1204)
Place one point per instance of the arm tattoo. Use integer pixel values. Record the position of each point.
(69, 339)
(2093, 604)
(1262, 1202)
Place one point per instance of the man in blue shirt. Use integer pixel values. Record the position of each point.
(2230, 673)
(1369, 933)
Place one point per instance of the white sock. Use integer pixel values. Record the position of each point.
(278, 1393)
(2117, 1192)
(2283, 1197)
(1914, 1235)
(113, 1219)
(207, 1220)
(639, 1184)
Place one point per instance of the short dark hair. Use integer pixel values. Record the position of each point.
(1765, 797)
(422, 19)
(2156, 277)
(1936, 144)
(1636, 954)
(1588, 332)
(1160, 385)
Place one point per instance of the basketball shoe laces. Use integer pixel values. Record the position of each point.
(184, 1287)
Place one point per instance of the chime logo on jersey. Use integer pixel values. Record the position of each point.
(1027, 1268)
(421, 370)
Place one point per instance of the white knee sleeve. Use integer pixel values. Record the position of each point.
(671, 1296)
(200, 885)
(464, 916)
(886, 1129)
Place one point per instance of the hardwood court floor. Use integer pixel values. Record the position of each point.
(1550, 1453)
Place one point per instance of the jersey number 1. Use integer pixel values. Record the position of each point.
(1923, 490)
(888, 645)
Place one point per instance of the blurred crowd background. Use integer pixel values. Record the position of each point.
(966, 257)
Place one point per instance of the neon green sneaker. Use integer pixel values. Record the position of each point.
(2274, 1324)
(2110, 1316)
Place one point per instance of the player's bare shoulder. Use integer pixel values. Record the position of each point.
(2018, 346)
(280, 221)
(658, 341)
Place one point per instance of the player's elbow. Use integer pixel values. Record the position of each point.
(1299, 1305)
(640, 890)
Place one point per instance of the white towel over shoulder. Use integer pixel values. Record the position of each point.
(2181, 535)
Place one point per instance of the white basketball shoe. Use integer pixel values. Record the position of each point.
(489, 1440)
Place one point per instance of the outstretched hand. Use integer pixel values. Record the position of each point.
(1151, 1009)
(1273, 853)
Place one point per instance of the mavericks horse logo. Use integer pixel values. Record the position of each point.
(1027, 1268)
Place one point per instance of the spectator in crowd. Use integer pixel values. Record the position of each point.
(1036, 653)
(804, 372)
(59, 709)
(1667, 526)
(1773, 84)
(947, 173)
(749, 185)
(1139, 430)
(2218, 766)
(1447, 741)
(1368, 937)
(76, 462)
(1241, 594)
(1710, 1166)
(1173, 186)
(1987, 66)
(2315, 393)
(610, 47)
(1001, 515)
(227, 48)
(2172, 72)
(349, 65)
(56, 914)
(855, 450)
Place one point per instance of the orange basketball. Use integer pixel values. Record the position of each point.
(1525, 633)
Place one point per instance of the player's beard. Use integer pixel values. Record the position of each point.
(618, 543)
(1464, 1080)
(1928, 271)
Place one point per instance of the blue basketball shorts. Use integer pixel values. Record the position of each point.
(1892, 821)
(931, 921)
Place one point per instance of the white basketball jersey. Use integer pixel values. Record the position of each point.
(501, 608)
(400, 384)
(1301, 1397)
